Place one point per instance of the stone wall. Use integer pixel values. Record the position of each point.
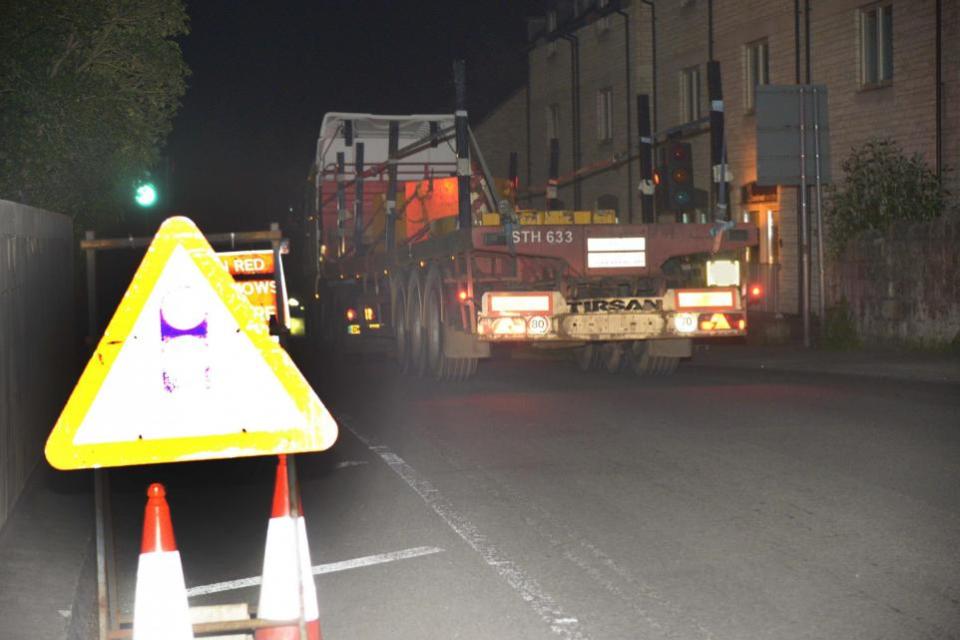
(36, 337)
(903, 285)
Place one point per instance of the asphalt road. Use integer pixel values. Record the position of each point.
(541, 502)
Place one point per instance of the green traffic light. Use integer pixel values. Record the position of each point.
(146, 195)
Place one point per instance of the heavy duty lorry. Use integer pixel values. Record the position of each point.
(419, 248)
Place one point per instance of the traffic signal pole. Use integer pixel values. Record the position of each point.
(717, 143)
(464, 169)
(646, 159)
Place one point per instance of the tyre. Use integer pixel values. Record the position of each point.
(433, 317)
(642, 363)
(586, 356)
(439, 311)
(398, 317)
(416, 336)
(612, 356)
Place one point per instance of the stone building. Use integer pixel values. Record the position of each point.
(878, 60)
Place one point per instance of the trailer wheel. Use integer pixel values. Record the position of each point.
(644, 364)
(439, 311)
(436, 363)
(641, 362)
(612, 356)
(414, 321)
(586, 356)
(398, 316)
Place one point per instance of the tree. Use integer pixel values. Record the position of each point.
(881, 186)
(88, 93)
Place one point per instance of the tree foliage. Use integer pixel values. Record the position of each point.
(88, 93)
(882, 186)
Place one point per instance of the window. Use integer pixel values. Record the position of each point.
(551, 27)
(876, 45)
(553, 122)
(603, 24)
(605, 115)
(690, 94)
(756, 62)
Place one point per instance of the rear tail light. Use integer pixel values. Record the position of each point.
(518, 303)
(706, 299)
(721, 322)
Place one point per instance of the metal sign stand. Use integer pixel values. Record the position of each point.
(821, 306)
(108, 617)
(804, 223)
(783, 112)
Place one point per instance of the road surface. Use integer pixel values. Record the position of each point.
(541, 502)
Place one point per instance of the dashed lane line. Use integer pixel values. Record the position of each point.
(320, 569)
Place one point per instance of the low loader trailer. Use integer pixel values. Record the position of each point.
(421, 251)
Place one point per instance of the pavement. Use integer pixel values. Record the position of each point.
(46, 544)
(889, 364)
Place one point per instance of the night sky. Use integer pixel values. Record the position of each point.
(264, 73)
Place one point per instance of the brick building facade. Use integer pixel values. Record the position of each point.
(877, 59)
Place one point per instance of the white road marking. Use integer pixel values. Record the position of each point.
(320, 569)
(559, 621)
(349, 463)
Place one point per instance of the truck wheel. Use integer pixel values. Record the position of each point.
(641, 362)
(436, 364)
(436, 314)
(644, 364)
(414, 321)
(586, 356)
(611, 355)
(398, 316)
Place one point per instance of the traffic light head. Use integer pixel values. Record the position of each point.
(678, 176)
(145, 195)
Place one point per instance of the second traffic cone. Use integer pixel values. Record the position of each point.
(160, 609)
(280, 591)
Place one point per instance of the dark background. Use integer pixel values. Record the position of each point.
(263, 75)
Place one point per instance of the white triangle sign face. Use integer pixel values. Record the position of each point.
(186, 371)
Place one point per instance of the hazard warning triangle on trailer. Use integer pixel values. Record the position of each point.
(186, 371)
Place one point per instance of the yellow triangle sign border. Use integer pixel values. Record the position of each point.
(61, 451)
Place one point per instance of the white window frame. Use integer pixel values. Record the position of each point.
(876, 40)
(605, 114)
(690, 93)
(603, 24)
(756, 71)
(551, 27)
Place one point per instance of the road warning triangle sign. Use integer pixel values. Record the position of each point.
(186, 371)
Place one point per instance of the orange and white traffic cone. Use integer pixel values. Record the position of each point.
(160, 609)
(281, 591)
